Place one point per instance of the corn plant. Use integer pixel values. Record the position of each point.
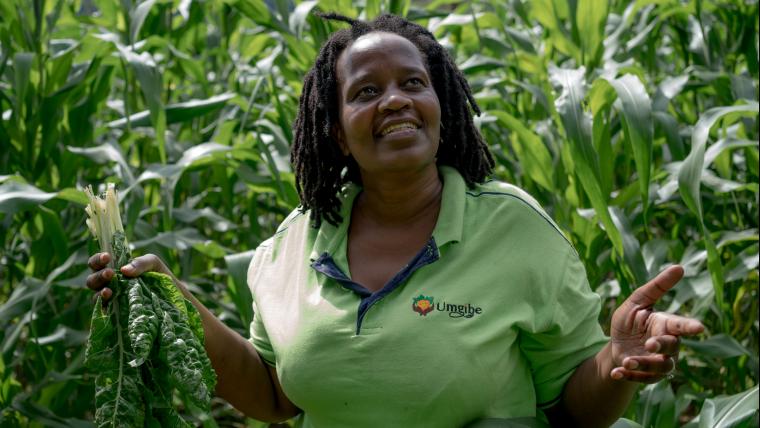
(634, 123)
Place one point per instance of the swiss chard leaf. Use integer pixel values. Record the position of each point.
(143, 321)
(147, 343)
(189, 368)
(118, 386)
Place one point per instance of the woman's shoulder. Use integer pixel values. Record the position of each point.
(510, 203)
(505, 192)
(290, 240)
(297, 218)
(294, 226)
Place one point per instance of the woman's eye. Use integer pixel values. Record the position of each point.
(415, 82)
(366, 92)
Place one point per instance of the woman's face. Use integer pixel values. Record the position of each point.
(389, 112)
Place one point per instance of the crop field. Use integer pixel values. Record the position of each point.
(634, 123)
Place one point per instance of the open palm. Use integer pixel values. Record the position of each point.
(644, 342)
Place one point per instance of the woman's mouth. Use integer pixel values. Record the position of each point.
(398, 128)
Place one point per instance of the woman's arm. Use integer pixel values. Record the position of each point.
(243, 379)
(643, 348)
(592, 398)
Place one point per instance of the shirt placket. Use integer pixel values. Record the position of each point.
(326, 265)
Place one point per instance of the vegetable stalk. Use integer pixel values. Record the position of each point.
(104, 221)
(147, 343)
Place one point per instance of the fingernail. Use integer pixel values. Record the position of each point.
(617, 375)
(633, 365)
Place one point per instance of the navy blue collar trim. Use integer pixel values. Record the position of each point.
(327, 266)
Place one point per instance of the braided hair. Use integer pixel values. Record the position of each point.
(317, 159)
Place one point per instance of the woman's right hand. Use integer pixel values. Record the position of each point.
(102, 274)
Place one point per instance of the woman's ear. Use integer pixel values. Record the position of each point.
(337, 134)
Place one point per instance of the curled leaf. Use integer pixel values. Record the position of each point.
(143, 321)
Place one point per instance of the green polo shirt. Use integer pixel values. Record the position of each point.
(489, 320)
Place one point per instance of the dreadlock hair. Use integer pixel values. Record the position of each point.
(317, 159)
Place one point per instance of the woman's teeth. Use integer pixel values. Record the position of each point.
(397, 127)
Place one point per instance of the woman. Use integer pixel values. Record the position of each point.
(407, 292)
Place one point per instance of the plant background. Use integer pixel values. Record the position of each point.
(635, 123)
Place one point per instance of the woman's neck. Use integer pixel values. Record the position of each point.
(401, 199)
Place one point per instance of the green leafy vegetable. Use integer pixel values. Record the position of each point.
(143, 322)
(147, 343)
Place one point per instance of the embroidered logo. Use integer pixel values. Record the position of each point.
(422, 304)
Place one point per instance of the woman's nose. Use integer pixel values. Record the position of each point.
(394, 99)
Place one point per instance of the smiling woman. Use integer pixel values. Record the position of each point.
(191, 107)
(387, 153)
(353, 294)
(319, 163)
(390, 117)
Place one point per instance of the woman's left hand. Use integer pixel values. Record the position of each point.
(645, 343)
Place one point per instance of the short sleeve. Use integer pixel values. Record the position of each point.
(259, 338)
(258, 334)
(570, 334)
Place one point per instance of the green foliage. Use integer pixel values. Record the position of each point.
(118, 385)
(148, 330)
(634, 123)
(145, 344)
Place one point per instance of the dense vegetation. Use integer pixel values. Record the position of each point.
(634, 123)
(146, 343)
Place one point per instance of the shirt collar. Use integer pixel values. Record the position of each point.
(329, 237)
(448, 228)
(451, 218)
